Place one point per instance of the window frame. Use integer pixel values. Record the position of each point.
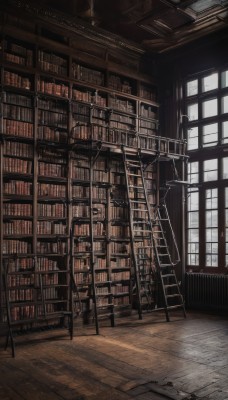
(216, 150)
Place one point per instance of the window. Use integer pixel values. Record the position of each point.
(207, 146)
(226, 225)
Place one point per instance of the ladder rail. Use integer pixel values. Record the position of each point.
(173, 237)
(136, 271)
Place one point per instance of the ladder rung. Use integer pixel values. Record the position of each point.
(163, 255)
(172, 285)
(136, 187)
(173, 295)
(131, 160)
(139, 209)
(142, 230)
(176, 306)
(137, 201)
(168, 276)
(165, 265)
(134, 175)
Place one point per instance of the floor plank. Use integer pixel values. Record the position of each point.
(141, 360)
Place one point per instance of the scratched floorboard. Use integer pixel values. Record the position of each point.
(141, 360)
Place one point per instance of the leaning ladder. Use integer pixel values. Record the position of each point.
(148, 235)
(170, 288)
(141, 231)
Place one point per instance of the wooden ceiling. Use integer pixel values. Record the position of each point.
(156, 25)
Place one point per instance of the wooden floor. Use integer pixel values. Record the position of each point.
(140, 360)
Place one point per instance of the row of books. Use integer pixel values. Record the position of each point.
(16, 246)
(52, 134)
(119, 262)
(17, 227)
(16, 80)
(120, 276)
(17, 209)
(52, 88)
(18, 149)
(53, 118)
(45, 247)
(17, 128)
(50, 228)
(30, 312)
(17, 113)
(52, 63)
(120, 289)
(87, 74)
(119, 231)
(18, 187)
(20, 280)
(121, 301)
(122, 105)
(82, 192)
(148, 112)
(82, 278)
(51, 210)
(17, 99)
(54, 170)
(13, 47)
(51, 190)
(89, 96)
(17, 165)
(116, 83)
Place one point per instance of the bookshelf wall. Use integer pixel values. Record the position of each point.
(61, 118)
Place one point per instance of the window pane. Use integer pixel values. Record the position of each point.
(192, 87)
(225, 104)
(211, 222)
(193, 201)
(211, 235)
(210, 170)
(192, 139)
(225, 132)
(210, 82)
(193, 172)
(210, 108)
(225, 168)
(193, 219)
(210, 135)
(193, 235)
(193, 112)
(211, 199)
(225, 79)
(211, 218)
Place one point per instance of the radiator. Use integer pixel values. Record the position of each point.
(206, 291)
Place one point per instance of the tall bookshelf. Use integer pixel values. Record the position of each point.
(64, 212)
